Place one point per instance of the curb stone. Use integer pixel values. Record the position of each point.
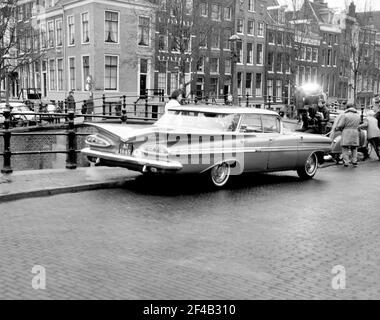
(60, 190)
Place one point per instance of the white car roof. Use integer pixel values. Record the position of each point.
(222, 109)
(12, 104)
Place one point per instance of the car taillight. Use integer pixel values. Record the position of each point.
(94, 140)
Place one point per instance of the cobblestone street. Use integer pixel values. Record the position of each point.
(262, 237)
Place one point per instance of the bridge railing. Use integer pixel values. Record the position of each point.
(69, 128)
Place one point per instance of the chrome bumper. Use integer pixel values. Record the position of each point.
(123, 159)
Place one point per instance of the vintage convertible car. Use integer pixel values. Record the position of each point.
(217, 141)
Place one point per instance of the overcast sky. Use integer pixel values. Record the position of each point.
(360, 4)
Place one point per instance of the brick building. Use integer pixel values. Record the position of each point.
(250, 26)
(107, 42)
(192, 47)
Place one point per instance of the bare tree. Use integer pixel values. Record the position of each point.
(359, 45)
(19, 41)
(184, 30)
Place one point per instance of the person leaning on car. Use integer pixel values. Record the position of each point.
(174, 100)
(373, 131)
(349, 124)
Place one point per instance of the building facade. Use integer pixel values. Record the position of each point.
(250, 26)
(89, 46)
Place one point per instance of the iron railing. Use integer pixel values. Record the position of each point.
(70, 131)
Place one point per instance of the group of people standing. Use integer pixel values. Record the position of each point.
(315, 118)
(350, 124)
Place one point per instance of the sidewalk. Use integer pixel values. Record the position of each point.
(38, 183)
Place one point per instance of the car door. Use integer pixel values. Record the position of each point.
(283, 148)
(255, 143)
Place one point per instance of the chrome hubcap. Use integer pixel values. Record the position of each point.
(311, 164)
(220, 173)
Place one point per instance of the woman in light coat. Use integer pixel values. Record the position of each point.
(349, 125)
(373, 131)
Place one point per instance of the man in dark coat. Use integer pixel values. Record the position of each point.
(70, 101)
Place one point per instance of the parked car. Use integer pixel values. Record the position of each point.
(23, 116)
(216, 141)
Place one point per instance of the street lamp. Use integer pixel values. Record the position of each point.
(234, 55)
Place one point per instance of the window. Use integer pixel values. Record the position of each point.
(227, 66)
(201, 65)
(279, 38)
(270, 124)
(271, 37)
(269, 89)
(278, 90)
(240, 27)
(251, 123)
(324, 57)
(315, 55)
(204, 9)
(144, 28)
(215, 40)
(162, 43)
(308, 74)
(329, 58)
(161, 83)
(85, 29)
(259, 90)
(173, 81)
(239, 83)
(279, 62)
(260, 29)
(301, 75)
(51, 34)
(228, 13)
(111, 73)
(226, 39)
(287, 62)
(202, 40)
(251, 27)
(52, 74)
(249, 53)
(58, 28)
(248, 84)
(72, 73)
(270, 61)
(239, 51)
(85, 70)
(214, 65)
(259, 54)
(308, 54)
(251, 5)
(43, 35)
(214, 87)
(60, 74)
(111, 27)
(302, 53)
(216, 12)
(189, 7)
(162, 5)
(71, 30)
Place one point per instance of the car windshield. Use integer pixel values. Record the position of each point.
(199, 120)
